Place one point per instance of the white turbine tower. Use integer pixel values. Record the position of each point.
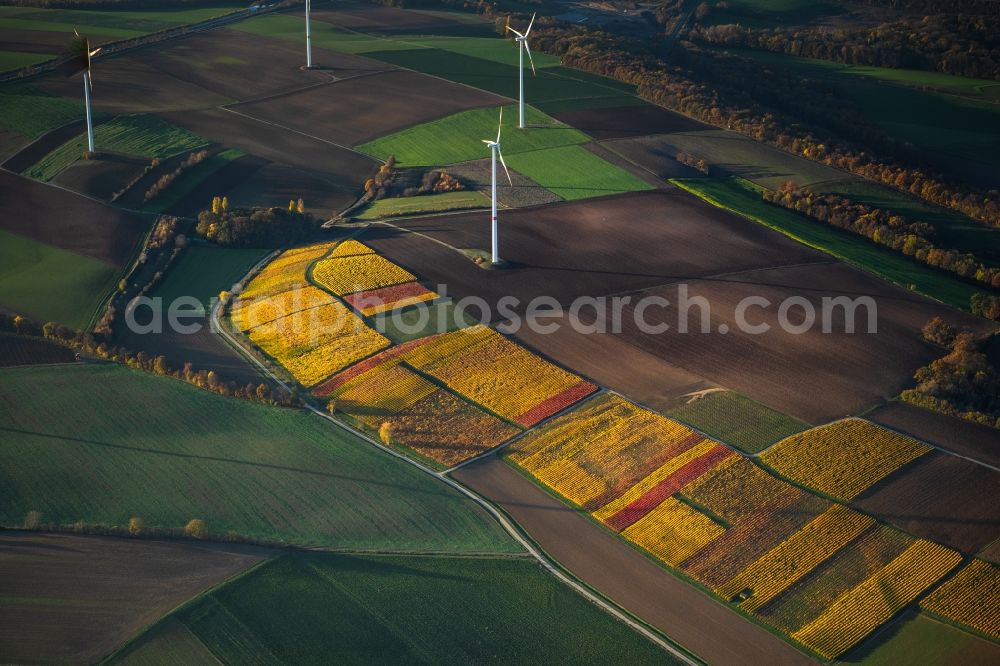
(522, 48)
(494, 153)
(80, 60)
(309, 44)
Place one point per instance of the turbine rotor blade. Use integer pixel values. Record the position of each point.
(531, 23)
(519, 35)
(500, 155)
(500, 125)
(530, 59)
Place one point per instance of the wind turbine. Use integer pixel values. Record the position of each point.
(309, 44)
(494, 153)
(80, 60)
(522, 48)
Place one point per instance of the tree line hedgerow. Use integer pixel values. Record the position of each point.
(257, 227)
(159, 365)
(912, 238)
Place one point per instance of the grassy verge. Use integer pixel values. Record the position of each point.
(173, 453)
(429, 609)
(139, 135)
(743, 198)
(51, 284)
(737, 420)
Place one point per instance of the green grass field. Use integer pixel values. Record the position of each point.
(405, 325)
(458, 137)
(344, 609)
(31, 112)
(50, 284)
(138, 135)
(742, 197)
(425, 203)
(962, 122)
(15, 59)
(924, 640)
(488, 63)
(190, 179)
(101, 443)
(109, 23)
(203, 271)
(573, 172)
(737, 420)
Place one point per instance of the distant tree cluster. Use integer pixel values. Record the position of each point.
(958, 44)
(690, 160)
(256, 227)
(166, 179)
(159, 365)
(962, 383)
(435, 182)
(914, 239)
(377, 187)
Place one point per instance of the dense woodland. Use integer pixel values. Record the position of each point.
(959, 44)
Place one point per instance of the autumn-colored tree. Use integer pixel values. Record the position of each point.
(160, 365)
(385, 433)
(216, 205)
(262, 391)
(291, 205)
(300, 206)
(331, 406)
(196, 528)
(33, 520)
(939, 332)
(135, 525)
(225, 204)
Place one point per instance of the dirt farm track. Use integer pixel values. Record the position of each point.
(701, 624)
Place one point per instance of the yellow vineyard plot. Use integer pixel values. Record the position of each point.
(385, 390)
(597, 452)
(861, 610)
(844, 458)
(350, 248)
(364, 272)
(796, 556)
(249, 313)
(315, 343)
(970, 598)
(502, 376)
(286, 271)
(673, 531)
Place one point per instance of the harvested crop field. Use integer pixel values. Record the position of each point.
(940, 497)
(963, 437)
(628, 121)
(605, 246)
(76, 598)
(699, 623)
(243, 66)
(24, 350)
(340, 169)
(668, 238)
(343, 111)
(42, 146)
(101, 177)
(123, 84)
(62, 219)
(277, 184)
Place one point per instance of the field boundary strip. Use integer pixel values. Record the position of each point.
(506, 523)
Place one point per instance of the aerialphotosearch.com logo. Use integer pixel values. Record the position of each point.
(307, 317)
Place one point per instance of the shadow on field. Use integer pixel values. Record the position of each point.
(248, 463)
